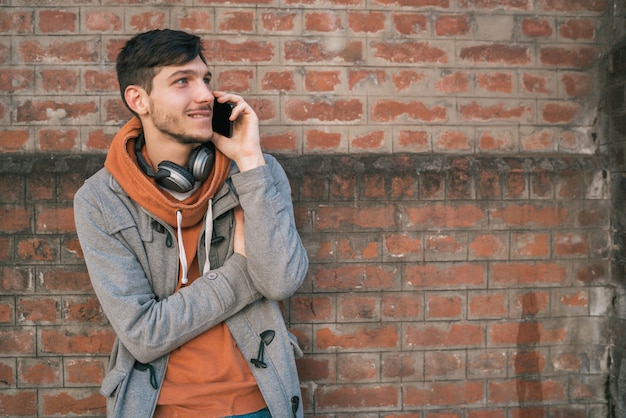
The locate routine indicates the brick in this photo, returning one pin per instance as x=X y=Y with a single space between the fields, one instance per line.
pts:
x=58 y=140
x=506 y=391
x=145 y=21
x=357 y=367
x=18 y=403
x=444 y=275
x=451 y=83
x=100 y=81
x=59 y=50
x=533 y=27
x=55 y=219
x=37 y=250
x=528 y=215
x=319 y=140
x=312 y=308
x=322 y=22
x=236 y=21
x=38 y=310
x=534 y=83
x=65 y=280
x=316 y=368
x=405 y=79
x=512 y=333
x=84 y=371
x=530 y=245
x=452 y=141
x=491 y=305
x=71 y=340
x=576 y=57
x=392 y=110
x=369 y=142
x=17 y=341
x=409 y=52
x=358 y=308
x=495 y=4
x=399 y=365
x=82 y=309
x=448 y=364
x=475 y=111
x=16 y=80
x=457 y=334
x=69 y=402
x=8 y=373
x=577 y=29
x=514 y=55
x=490 y=364
x=369 y=277
x=13 y=140
x=370 y=22
x=318 y=81
x=574 y=5
x=35 y=111
x=440 y=307
x=350 y=397
x=40 y=372
x=444 y=394
x=103 y=21
x=452 y=25
x=16 y=280
x=16 y=21
x=13 y=220
x=404 y=306
x=55 y=21
x=316 y=51
x=340 y=110
x=378 y=217
x=361 y=337
x=531 y=273
x=60 y=81
x=7 y=311
x=219 y=50
x=278 y=21
x=278 y=80
x=445 y=216
x=530 y=304
x=495 y=82
x=528 y=362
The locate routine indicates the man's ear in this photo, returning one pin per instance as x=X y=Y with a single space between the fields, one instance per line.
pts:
x=137 y=99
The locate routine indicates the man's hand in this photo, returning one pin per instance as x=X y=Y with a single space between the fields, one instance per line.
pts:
x=244 y=148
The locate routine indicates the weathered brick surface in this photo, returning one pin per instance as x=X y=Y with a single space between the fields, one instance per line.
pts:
x=458 y=176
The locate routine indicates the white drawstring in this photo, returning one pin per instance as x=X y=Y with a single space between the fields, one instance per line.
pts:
x=208 y=236
x=181 y=248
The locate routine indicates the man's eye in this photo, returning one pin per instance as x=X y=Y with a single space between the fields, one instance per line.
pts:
x=207 y=80
x=181 y=81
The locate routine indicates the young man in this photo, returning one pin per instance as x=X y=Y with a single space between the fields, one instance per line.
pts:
x=190 y=242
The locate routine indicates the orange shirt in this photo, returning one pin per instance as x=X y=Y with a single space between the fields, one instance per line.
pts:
x=207 y=376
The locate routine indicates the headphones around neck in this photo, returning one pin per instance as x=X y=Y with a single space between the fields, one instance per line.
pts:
x=175 y=177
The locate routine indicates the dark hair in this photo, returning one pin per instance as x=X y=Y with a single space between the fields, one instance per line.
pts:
x=142 y=56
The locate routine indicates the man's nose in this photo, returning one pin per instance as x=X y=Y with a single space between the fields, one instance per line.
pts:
x=204 y=93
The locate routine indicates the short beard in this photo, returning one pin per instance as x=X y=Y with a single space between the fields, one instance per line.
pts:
x=165 y=124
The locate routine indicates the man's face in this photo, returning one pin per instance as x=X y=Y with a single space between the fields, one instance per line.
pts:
x=181 y=102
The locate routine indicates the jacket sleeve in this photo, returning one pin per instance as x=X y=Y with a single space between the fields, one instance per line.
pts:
x=148 y=327
x=277 y=260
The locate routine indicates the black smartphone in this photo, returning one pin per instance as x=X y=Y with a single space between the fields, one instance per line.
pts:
x=221 y=124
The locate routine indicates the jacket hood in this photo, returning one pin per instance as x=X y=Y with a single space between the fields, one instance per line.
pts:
x=121 y=162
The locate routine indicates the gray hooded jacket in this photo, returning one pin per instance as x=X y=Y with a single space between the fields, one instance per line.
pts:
x=132 y=259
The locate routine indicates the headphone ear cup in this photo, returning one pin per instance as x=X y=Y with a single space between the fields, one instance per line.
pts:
x=201 y=162
x=174 y=177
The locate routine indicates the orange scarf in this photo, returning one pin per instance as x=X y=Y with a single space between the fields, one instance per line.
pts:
x=122 y=164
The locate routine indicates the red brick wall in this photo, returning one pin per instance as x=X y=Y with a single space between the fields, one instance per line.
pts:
x=449 y=179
